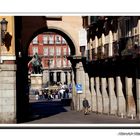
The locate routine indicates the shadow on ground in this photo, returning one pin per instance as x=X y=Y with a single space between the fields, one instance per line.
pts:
x=43 y=109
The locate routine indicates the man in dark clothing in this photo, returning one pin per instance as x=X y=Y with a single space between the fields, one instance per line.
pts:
x=85 y=106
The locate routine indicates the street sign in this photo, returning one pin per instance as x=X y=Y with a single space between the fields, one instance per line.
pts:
x=79 y=88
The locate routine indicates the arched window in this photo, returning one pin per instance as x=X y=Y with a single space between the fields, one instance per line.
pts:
x=35 y=40
x=51 y=39
x=58 y=39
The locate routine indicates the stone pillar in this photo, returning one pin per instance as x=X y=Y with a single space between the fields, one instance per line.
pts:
x=78 y=96
x=8 y=69
x=87 y=91
x=138 y=78
x=54 y=75
x=8 y=93
x=105 y=96
x=96 y=44
x=74 y=96
x=138 y=32
x=99 y=96
x=69 y=77
x=131 y=107
x=49 y=75
x=103 y=42
x=121 y=102
x=62 y=77
x=94 y=96
x=110 y=44
x=112 y=97
x=138 y=97
x=45 y=77
x=81 y=80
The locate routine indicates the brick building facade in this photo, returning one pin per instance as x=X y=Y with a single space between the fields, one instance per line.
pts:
x=53 y=51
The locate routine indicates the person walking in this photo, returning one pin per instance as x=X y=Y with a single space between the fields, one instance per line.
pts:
x=85 y=106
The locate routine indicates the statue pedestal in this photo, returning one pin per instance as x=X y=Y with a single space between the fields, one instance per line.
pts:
x=36 y=81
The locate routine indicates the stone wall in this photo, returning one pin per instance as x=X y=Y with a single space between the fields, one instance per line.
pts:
x=7 y=93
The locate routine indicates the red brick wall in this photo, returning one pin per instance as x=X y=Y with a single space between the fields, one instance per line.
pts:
x=40 y=47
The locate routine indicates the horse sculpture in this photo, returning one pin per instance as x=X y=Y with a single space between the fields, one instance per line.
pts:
x=35 y=63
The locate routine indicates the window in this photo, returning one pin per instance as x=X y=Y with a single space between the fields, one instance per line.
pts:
x=35 y=40
x=45 y=63
x=58 y=51
x=127 y=28
x=45 y=39
x=35 y=50
x=68 y=51
x=57 y=39
x=64 y=51
x=51 y=51
x=85 y=21
x=58 y=63
x=93 y=19
x=64 y=62
x=63 y=41
x=69 y=63
x=51 y=40
x=45 y=51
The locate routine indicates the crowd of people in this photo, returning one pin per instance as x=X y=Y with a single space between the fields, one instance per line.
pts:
x=61 y=92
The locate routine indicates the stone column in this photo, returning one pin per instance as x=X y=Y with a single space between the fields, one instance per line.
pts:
x=138 y=32
x=105 y=96
x=112 y=97
x=96 y=44
x=110 y=44
x=45 y=78
x=62 y=77
x=69 y=77
x=93 y=95
x=131 y=107
x=99 y=96
x=103 y=42
x=138 y=78
x=8 y=71
x=121 y=102
x=138 y=97
x=8 y=93
x=54 y=75
x=74 y=96
x=87 y=91
x=81 y=80
x=78 y=96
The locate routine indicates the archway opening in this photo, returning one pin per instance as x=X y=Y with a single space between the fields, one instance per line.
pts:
x=50 y=86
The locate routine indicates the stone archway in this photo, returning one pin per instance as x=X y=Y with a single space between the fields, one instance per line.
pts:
x=25 y=32
x=23 y=29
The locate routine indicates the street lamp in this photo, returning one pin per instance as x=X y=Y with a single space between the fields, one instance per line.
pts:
x=3 y=30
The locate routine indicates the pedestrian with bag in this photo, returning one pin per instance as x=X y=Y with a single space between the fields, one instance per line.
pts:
x=85 y=106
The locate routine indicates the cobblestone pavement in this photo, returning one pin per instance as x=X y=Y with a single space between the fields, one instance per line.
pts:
x=52 y=112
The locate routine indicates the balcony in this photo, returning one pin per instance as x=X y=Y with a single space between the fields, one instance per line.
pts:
x=129 y=47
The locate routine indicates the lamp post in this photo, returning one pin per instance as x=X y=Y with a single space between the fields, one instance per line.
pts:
x=3 y=30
